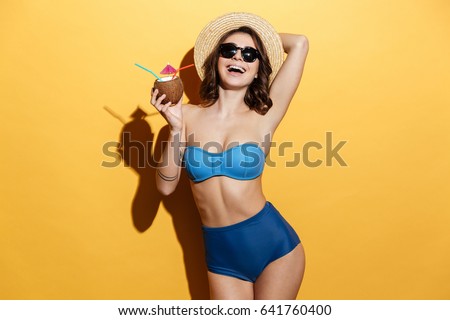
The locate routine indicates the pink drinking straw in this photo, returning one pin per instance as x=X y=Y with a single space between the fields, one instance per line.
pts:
x=182 y=68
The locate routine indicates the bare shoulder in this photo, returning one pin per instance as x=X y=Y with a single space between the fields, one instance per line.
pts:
x=190 y=107
x=190 y=110
x=191 y=115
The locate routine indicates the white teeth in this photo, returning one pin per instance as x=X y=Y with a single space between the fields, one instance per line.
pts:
x=236 y=68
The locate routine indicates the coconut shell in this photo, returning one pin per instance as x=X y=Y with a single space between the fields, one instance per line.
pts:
x=173 y=89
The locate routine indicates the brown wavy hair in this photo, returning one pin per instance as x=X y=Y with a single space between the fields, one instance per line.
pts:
x=257 y=95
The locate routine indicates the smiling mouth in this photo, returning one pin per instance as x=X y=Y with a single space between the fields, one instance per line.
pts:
x=237 y=69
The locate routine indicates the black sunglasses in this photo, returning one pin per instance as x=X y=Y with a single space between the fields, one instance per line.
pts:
x=229 y=50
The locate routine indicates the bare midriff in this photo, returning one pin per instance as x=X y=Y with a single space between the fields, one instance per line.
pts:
x=223 y=201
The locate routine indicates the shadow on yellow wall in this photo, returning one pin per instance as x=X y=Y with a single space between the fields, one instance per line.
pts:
x=140 y=152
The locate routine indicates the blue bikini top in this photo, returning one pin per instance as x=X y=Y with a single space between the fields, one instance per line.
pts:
x=241 y=162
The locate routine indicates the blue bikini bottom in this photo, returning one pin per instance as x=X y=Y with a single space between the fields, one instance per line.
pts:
x=244 y=249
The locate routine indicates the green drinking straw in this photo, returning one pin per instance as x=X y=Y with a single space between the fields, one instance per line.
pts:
x=148 y=70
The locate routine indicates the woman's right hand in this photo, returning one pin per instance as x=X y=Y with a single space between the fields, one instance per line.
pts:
x=173 y=115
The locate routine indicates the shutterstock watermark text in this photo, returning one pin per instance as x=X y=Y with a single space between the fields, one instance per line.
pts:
x=287 y=154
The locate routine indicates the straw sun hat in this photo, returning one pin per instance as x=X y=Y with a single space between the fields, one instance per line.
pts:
x=211 y=34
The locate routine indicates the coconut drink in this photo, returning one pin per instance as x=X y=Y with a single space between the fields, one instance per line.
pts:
x=172 y=87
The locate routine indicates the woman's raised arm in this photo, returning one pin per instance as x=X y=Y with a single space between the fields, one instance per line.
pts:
x=288 y=78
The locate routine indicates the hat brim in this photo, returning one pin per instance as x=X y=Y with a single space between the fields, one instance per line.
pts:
x=213 y=31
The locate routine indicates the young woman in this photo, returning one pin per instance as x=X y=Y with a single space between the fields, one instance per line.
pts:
x=251 y=251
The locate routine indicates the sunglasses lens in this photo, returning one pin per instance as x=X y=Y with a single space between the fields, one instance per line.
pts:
x=228 y=50
x=249 y=54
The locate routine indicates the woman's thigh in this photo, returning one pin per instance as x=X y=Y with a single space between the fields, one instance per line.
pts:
x=228 y=288
x=282 y=278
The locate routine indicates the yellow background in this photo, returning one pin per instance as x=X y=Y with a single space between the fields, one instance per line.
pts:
x=377 y=76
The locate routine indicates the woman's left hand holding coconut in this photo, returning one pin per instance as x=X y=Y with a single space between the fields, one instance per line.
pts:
x=172 y=113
